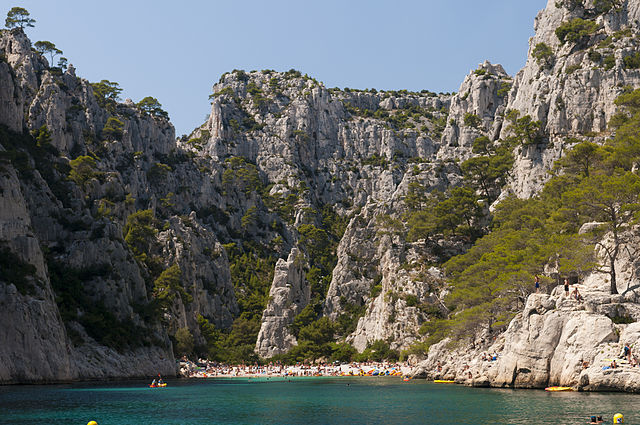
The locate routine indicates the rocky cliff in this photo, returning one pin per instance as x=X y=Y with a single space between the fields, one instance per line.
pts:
x=570 y=85
x=291 y=202
x=76 y=300
x=580 y=60
x=556 y=340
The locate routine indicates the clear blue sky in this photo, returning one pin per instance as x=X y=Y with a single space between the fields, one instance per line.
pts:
x=176 y=50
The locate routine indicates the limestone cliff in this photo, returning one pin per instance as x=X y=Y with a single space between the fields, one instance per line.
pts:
x=556 y=340
x=68 y=275
x=571 y=86
x=290 y=195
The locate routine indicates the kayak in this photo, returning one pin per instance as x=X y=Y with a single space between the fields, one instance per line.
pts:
x=559 y=389
x=443 y=381
x=158 y=385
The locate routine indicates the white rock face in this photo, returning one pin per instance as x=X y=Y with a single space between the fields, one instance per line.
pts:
x=571 y=94
x=289 y=294
x=483 y=94
x=553 y=341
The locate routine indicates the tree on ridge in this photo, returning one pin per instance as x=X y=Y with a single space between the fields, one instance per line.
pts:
x=18 y=17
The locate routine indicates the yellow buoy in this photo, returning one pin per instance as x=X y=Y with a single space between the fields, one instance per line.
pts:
x=92 y=423
x=618 y=418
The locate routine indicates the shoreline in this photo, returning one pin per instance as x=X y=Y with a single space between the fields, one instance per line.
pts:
x=205 y=369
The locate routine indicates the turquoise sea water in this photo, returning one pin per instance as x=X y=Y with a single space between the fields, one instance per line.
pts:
x=305 y=401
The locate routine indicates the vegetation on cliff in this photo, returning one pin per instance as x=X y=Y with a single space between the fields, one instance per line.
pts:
x=592 y=184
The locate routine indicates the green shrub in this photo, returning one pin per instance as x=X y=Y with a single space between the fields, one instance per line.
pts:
x=377 y=351
x=375 y=290
x=83 y=169
x=293 y=73
x=472 y=120
x=150 y=105
x=158 y=172
x=609 y=62
x=543 y=54
x=343 y=352
x=504 y=89
x=113 y=129
x=622 y=320
x=376 y=161
x=241 y=174
x=595 y=56
x=604 y=6
x=107 y=93
x=572 y=68
x=575 y=29
x=250 y=218
x=411 y=300
x=348 y=321
x=168 y=286
x=240 y=74
x=633 y=61
x=184 y=342
x=139 y=233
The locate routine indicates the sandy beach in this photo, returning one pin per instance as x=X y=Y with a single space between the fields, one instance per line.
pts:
x=205 y=369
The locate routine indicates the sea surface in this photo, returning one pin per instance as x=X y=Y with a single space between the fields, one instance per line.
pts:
x=305 y=401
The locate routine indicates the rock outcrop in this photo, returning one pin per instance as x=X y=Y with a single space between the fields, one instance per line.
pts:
x=78 y=302
x=571 y=86
x=289 y=294
x=555 y=340
x=107 y=218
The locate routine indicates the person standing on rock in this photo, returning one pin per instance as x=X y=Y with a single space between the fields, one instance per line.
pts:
x=566 y=288
x=537 y=282
x=627 y=352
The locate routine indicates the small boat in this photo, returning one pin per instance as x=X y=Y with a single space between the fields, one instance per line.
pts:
x=164 y=384
x=406 y=378
x=559 y=389
x=443 y=381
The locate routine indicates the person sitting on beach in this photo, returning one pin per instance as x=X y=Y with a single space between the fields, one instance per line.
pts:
x=614 y=364
x=593 y=420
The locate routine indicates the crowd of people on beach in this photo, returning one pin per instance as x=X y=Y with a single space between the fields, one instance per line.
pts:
x=206 y=369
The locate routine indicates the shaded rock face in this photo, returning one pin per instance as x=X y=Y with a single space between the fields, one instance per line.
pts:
x=289 y=294
x=74 y=232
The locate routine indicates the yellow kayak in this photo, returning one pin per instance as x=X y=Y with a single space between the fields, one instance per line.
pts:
x=164 y=384
x=442 y=381
x=559 y=389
